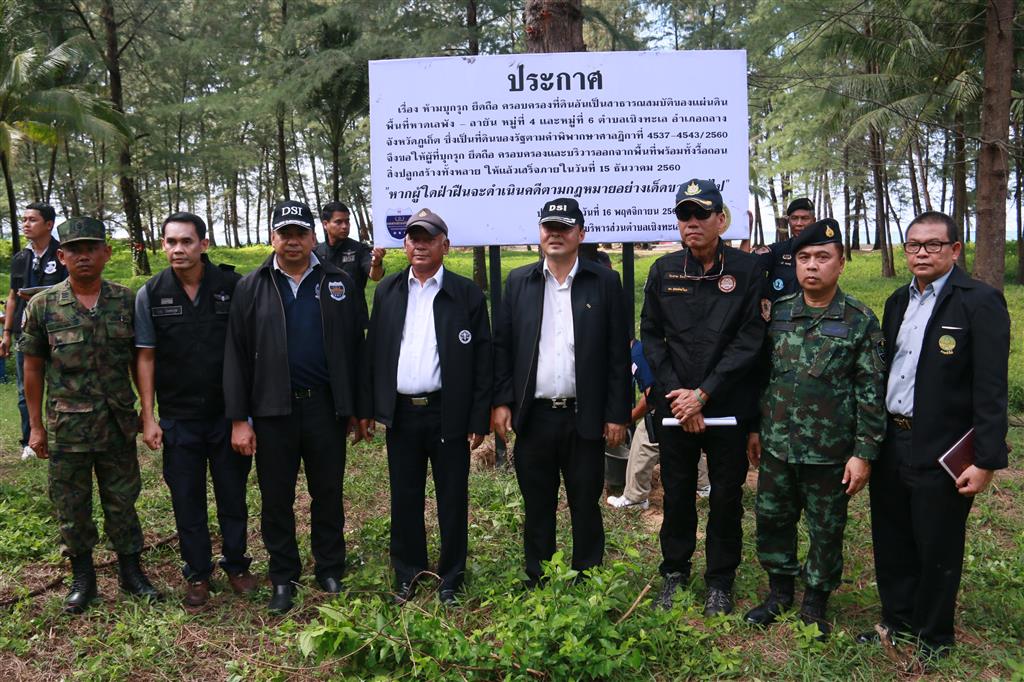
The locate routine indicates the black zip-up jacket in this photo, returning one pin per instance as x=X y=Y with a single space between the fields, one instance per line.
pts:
x=463 y=346
x=603 y=392
x=705 y=333
x=257 y=382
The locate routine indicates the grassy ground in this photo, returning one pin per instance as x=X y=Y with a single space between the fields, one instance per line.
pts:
x=603 y=628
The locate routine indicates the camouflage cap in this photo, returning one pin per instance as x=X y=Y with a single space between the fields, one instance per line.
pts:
x=81 y=229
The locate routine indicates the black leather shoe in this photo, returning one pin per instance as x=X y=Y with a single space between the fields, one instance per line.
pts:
x=282 y=600
x=872 y=636
x=404 y=592
x=673 y=581
x=717 y=603
x=448 y=598
x=83 y=584
x=330 y=584
x=780 y=598
x=133 y=580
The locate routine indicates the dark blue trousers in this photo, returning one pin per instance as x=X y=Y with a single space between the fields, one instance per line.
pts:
x=190 y=446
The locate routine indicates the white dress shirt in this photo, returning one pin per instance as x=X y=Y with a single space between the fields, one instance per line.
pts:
x=419 y=365
x=556 y=353
x=899 y=394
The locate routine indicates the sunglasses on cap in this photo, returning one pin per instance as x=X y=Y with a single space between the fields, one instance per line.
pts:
x=687 y=211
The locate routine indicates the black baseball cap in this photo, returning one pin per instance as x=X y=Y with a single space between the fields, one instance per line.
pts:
x=427 y=220
x=704 y=193
x=562 y=210
x=825 y=231
x=291 y=213
x=801 y=204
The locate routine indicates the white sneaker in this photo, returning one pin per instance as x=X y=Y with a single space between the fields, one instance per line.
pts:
x=28 y=453
x=704 y=492
x=623 y=501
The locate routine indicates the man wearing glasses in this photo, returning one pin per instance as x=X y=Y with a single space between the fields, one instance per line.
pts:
x=702 y=332
x=948 y=338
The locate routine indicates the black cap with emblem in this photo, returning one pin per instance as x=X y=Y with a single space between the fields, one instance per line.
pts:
x=562 y=211
x=825 y=231
x=704 y=193
x=292 y=213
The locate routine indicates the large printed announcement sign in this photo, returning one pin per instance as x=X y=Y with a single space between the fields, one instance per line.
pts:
x=485 y=141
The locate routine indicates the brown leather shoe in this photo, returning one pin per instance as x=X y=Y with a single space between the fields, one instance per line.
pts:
x=243 y=583
x=198 y=593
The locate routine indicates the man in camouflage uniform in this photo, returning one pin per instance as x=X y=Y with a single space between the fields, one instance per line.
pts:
x=822 y=423
x=78 y=337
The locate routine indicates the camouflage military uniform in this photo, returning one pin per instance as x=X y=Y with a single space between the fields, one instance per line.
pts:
x=823 y=404
x=90 y=411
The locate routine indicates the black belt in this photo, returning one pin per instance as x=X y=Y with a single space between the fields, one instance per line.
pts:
x=307 y=393
x=902 y=422
x=420 y=400
x=556 y=403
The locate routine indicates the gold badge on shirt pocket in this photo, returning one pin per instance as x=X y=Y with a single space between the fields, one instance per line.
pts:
x=946 y=344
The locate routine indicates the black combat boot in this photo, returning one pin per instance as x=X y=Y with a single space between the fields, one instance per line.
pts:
x=780 y=598
x=133 y=580
x=812 y=611
x=83 y=584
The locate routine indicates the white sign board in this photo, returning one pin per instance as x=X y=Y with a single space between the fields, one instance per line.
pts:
x=485 y=141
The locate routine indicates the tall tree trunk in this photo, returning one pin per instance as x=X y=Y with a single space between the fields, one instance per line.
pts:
x=72 y=184
x=993 y=166
x=282 y=157
x=12 y=203
x=312 y=165
x=914 y=193
x=209 y=205
x=881 y=237
x=960 y=182
x=129 y=193
x=1019 y=168
x=554 y=26
x=848 y=227
x=479 y=252
x=922 y=166
x=298 y=165
x=945 y=169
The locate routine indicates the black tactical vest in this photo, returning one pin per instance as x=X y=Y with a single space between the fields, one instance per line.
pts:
x=190 y=341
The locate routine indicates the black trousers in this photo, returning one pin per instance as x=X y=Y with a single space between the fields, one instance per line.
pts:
x=727 y=470
x=918 y=528
x=190 y=446
x=413 y=441
x=313 y=435
x=548 y=444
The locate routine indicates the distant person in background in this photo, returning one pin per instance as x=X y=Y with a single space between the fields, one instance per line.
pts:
x=947 y=338
x=777 y=258
x=37 y=265
x=358 y=260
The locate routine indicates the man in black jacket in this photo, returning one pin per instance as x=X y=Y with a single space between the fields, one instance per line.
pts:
x=702 y=331
x=430 y=368
x=562 y=381
x=181 y=321
x=948 y=342
x=294 y=347
x=360 y=261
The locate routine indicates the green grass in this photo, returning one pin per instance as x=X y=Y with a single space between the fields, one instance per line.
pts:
x=561 y=631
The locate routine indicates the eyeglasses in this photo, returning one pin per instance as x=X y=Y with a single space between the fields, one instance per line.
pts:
x=933 y=246
x=713 y=275
x=684 y=213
